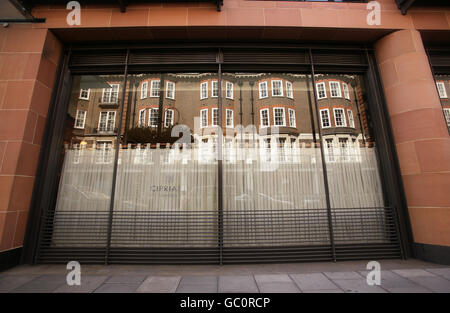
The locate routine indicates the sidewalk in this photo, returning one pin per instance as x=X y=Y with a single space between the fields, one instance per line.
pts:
x=396 y=276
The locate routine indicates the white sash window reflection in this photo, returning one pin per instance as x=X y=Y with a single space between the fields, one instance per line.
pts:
x=339 y=118
x=111 y=95
x=154 y=88
x=153 y=117
x=107 y=121
x=104 y=153
x=168 y=119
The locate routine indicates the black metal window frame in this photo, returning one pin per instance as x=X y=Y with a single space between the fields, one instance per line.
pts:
x=307 y=58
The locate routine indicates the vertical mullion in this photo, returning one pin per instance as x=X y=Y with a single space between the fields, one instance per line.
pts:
x=219 y=160
x=374 y=84
x=324 y=165
x=161 y=104
x=116 y=160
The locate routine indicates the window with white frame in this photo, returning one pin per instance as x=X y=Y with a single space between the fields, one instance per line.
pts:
x=447 y=116
x=80 y=119
x=264 y=118
x=215 y=117
x=203 y=118
x=107 y=121
x=111 y=95
x=142 y=118
x=279 y=118
x=168 y=118
x=289 y=90
x=339 y=118
x=351 y=120
x=346 y=91
x=154 y=88
x=214 y=88
x=144 y=90
x=343 y=144
x=325 y=118
x=204 y=90
x=321 y=91
x=230 y=118
x=153 y=117
x=335 y=90
x=104 y=152
x=229 y=90
x=84 y=93
x=292 y=121
x=441 y=89
x=263 y=90
x=277 y=88
x=330 y=150
x=170 y=90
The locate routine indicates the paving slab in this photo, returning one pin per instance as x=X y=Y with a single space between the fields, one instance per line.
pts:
x=313 y=282
x=343 y=275
x=444 y=272
x=278 y=287
x=11 y=282
x=271 y=278
x=198 y=284
x=435 y=284
x=197 y=288
x=408 y=273
x=417 y=289
x=160 y=284
x=89 y=283
x=199 y=280
x=117 y=288
x=325 y=291
x=126 y=279
x=44 y=283
x=237 y=284
x=357 y=286
x=396 y=283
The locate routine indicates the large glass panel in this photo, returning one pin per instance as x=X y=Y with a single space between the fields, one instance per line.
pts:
x=273 y=183
x=166 y=191
x=355 y=189
x=83 y=200
x=443 y=88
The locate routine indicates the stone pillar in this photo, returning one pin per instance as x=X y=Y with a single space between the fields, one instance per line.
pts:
x=421 y=138
x=28 y=64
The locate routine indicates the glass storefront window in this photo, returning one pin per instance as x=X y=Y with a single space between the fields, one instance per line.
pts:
x=84 y=193
x=169 y=165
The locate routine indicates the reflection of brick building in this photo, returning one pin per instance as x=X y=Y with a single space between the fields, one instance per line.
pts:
x=443 y=88
x=263 y=100
x=96 y=113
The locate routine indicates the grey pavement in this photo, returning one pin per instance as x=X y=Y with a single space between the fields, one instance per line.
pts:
x=397 y=276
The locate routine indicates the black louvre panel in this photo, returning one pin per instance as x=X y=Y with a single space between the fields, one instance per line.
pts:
x=440 y=60
x=179 y=56
x=91 y=62
x=277 y=56
x=339 y=61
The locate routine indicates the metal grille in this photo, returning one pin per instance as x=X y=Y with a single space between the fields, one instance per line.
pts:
x=172 y=57
x=193 y=236
x=265 y=57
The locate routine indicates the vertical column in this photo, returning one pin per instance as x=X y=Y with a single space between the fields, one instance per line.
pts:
x=421 y=138
x=28 y=65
